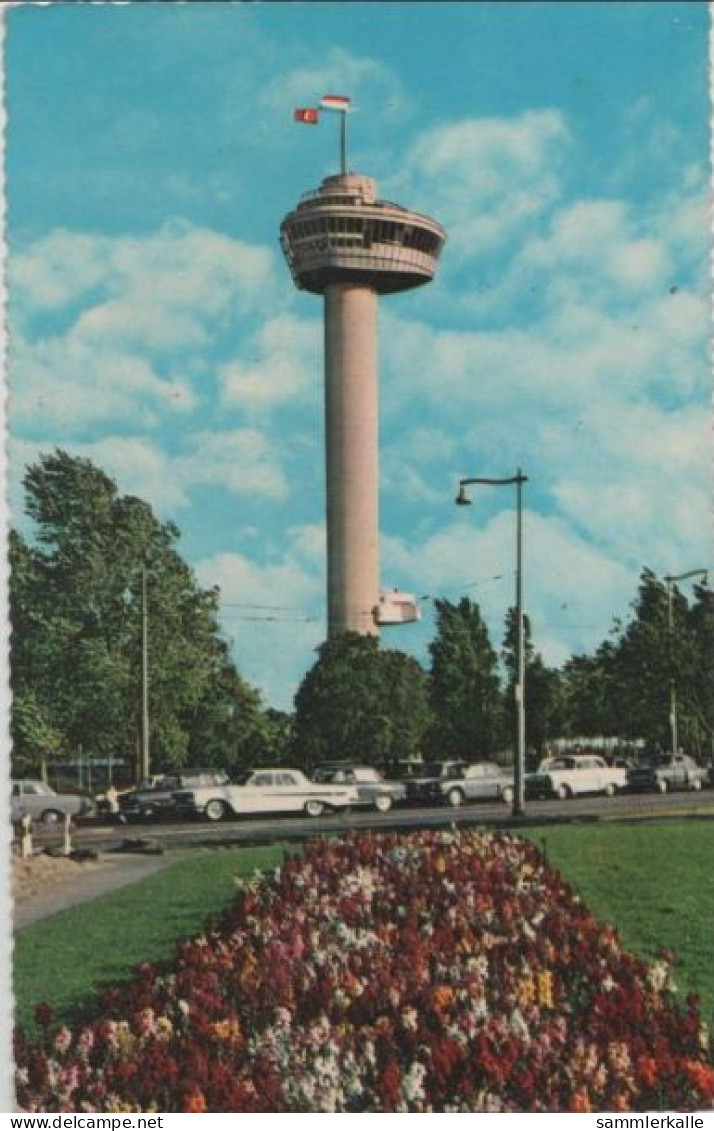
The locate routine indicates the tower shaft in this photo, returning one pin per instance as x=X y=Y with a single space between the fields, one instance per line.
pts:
x=352 y=461
x=343 y=242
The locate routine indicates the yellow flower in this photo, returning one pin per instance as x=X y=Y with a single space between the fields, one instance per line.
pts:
x=527 y=990
x=545 y=989
x=228 y=1030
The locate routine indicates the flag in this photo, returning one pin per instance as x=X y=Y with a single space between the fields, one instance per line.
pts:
x=309 y=115
x=335 y=102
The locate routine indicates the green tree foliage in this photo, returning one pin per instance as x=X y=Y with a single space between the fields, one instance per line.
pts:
x=624 y=689
x=544 y=699
x=227 y=727
x=464 y=686
x=587 y=693
x=699 y=699
x=76 y=608
x=360 y=702
x=660 y=646
x=35 y=723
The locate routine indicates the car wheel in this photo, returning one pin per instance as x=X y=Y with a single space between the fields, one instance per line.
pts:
x=563 y=793
x=455 y=798
x=695 y=784
x=51 y=817
x=610 y=789
x=215 y=810
x=662 y=785
x=507 y=795
x=314 y=808
x=383 y=803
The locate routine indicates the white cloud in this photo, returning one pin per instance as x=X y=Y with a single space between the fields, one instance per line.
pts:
x=139 y=319
x=62 y=384
x=572 y=589
x=242 y=462
x=372 y=86
x=180 y=268
x=272 y=611
x=484 y=179
x=286 y=360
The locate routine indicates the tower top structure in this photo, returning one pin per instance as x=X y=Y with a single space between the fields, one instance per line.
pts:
x=343 y=242
x=343 y=233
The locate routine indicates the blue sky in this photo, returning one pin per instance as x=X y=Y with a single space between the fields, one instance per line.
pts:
x=154 y=328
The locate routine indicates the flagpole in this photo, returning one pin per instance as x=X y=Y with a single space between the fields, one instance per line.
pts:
x=343 y=142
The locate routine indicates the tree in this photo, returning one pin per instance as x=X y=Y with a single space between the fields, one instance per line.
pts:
x=587 y=693
x=35 y=721
x=76 y=604
x=227 y=726
x=544 y=713
x=360 y=702
x=700 y=697
x=464 y=684
x=653 y=651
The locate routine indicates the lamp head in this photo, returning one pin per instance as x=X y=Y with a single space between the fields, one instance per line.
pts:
x=462 y=499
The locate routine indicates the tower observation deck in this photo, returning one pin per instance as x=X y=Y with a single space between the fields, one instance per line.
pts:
x=343 y=234
x=342 y=242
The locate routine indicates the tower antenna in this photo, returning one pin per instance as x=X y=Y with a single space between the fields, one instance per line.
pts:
x=342 y=104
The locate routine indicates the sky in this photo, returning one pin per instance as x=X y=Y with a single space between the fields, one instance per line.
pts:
x=151 y=154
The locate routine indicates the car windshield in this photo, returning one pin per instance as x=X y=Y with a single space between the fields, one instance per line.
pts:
x=325 y=774
x=244 y=777
x=431 y=770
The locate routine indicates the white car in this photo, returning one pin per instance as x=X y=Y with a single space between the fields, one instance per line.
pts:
x=569 y=775
x=372 y=789
x=36 y=800
x=277 y=790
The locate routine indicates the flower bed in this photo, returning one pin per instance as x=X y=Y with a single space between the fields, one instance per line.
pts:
x=431 y=971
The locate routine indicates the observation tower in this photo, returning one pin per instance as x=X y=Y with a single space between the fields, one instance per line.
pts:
x=343 y=242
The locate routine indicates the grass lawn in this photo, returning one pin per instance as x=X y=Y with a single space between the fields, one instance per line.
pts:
x=653 y=880
x=64 y=959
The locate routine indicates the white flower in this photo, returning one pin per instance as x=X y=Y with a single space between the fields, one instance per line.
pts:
x=518 y=1025
x=410 y=1019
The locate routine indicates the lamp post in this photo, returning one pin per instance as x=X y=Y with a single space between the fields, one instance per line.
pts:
x=670 y=580
x=145 y=763
x=463 y=500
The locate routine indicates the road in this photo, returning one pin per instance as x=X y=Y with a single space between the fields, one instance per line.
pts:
x=106 y=837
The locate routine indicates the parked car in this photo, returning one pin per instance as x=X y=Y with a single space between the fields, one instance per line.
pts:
x=264 y=791
x=372 y=788
x=572 y=774
x=663 y=772
x=421 y=788
x=156 y=798
x=482 y=781
x=43 y=804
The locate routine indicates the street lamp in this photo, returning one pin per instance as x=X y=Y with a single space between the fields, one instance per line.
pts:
x=462 y=500
x=145 y=765
x=670 y=579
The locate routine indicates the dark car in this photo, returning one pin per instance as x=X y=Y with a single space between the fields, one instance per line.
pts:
x=423 y=788
x=665 y=772
x=157 y=800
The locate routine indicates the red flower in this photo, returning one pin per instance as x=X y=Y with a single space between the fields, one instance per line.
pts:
x=194 y=1101
x=390 y=1084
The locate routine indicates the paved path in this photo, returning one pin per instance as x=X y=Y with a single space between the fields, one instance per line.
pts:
x=115 y=871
